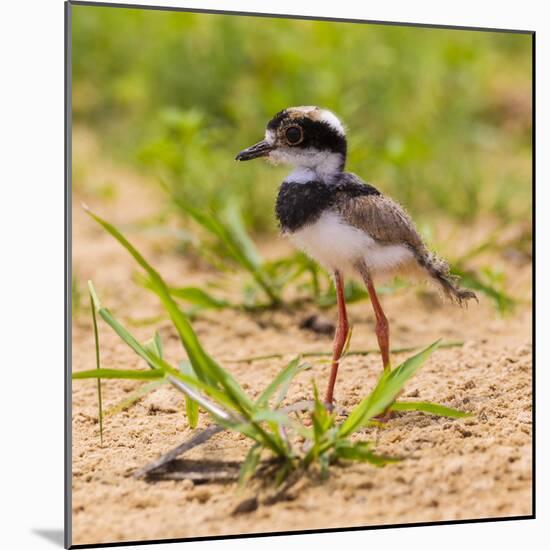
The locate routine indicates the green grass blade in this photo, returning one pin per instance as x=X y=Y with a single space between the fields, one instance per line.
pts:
x=215 y=227
x=284 y=378
x=154 y=346
x=362 y=453
x=157 y=341
x=212 y=373
x=236 y=243
x=386 y=390
x=219 y=395
x=98 y=366
x=431 y=408
x=323 y=433
x=238 y=235
x=153 y=374
x=160 y=364
x=191 y=407
x=119 y=374
x=198 y=297
x=286 y=383
x=162 y=368
x=258 y=434
x=204 y=219
x=282 y=472
x=266 y=415
x=322 y=420
x=250 y=464
x=247 y=251
x=187 y=335
x=147 y=356
x=158 y=344
x=503 y=301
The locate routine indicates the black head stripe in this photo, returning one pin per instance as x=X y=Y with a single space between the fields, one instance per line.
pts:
x=276 y=121
x=322 y=136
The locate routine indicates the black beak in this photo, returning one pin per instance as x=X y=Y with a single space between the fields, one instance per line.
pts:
x=260 y=149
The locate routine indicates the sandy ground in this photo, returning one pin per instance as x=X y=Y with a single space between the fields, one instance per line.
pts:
x=453 y=469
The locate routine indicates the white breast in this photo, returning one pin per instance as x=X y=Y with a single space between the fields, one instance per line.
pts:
x=337 y=245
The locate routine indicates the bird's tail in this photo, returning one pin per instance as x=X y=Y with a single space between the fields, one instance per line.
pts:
x=439 y=271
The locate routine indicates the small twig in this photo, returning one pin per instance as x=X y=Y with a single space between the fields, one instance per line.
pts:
x=329 y=353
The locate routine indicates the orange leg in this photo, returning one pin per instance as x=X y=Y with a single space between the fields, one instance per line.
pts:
x=340 y=335
x=382 y=326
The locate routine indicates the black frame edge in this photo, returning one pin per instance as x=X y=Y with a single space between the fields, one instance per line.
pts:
x=303 y=532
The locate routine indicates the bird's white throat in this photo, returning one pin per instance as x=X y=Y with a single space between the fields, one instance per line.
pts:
x=310 y=165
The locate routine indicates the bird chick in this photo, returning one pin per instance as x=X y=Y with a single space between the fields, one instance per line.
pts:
x=345 y=224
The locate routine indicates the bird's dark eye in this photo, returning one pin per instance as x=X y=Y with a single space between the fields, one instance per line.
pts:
x=294 y=135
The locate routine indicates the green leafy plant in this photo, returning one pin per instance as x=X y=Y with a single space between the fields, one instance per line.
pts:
x=209 y=387
x=232 y=243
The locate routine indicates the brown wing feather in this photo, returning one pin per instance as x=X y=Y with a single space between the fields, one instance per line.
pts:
x=388 y=223
x=382 y=218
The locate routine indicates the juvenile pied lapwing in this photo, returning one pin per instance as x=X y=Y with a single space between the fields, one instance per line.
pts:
x=345 y=224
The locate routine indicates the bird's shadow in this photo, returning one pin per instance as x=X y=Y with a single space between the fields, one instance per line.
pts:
x=55 y=536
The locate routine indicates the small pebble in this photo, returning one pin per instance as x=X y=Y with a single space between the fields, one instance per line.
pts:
x=246 y=506
x=318 y=324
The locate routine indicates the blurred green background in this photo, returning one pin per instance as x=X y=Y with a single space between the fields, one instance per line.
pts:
x=439 y=119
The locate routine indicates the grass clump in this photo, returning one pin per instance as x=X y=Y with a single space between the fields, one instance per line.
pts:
x=232 y=244
x=229 y=245
x=209 y=387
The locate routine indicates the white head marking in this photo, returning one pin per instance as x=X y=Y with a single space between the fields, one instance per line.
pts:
x=270 y=136
x=322 y=115
x=333 y=121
